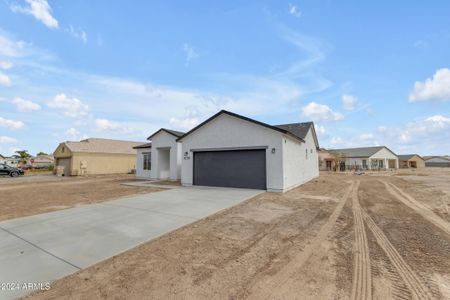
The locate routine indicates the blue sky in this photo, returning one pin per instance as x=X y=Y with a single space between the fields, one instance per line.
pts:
x=365 y=74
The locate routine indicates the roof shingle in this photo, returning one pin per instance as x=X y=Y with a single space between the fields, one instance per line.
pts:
x=96 y=145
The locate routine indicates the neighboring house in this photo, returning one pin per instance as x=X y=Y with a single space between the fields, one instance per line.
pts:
x=95 y=156
x=230 y=150
x=12 y=161
x=367 y=158
x=411 y=161
x=327 y=162
x=2 y=159
x=41 y=161
x=437 y=161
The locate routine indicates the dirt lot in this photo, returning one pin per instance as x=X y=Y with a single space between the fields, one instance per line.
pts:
x=32 y=195
x=340 y=236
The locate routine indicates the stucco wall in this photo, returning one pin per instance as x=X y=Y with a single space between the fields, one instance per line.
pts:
x=300 y=161
x=164 y=140
x=420 y=163
x=385 y=154
x=226 y=132
x=140 y=172
x=102 y=163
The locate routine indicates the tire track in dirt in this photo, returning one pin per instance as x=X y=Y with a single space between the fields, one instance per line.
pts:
x=266 y=288
x=411 y=280
x=417 y=206
x=362 y=280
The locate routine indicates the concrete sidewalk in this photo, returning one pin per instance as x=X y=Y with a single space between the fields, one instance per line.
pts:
x=46 y=247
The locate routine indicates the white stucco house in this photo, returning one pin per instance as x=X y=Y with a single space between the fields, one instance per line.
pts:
x=367 y=158
x=230 y=150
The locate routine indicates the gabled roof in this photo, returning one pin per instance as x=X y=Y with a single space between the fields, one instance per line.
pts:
x=96 y=145
x=301 y=130
x=445 y=157
x=407 y=156
x=1 y=156
x=360 y=152
x=143 y=146
x=242 y=118
x=175 y=133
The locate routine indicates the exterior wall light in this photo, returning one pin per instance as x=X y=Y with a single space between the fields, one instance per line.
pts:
x=273 y=150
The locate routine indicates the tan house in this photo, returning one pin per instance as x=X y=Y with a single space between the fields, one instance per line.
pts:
x=411 y=161
x=95 y=156
x=327 y=161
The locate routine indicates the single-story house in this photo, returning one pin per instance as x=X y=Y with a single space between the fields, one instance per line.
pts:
x=366 y=158
x=41 y=161
x=95 y=156
x=10 y=161
x=411 y=161
x=437 y=161
x=230 y=150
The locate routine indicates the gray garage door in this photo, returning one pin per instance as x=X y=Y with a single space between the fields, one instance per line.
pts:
x=237 y=168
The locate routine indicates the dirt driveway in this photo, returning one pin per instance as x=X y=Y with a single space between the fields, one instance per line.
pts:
x=340 y=236
x=39 y=194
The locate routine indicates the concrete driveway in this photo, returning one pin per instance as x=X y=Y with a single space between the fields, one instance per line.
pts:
x=42 y=248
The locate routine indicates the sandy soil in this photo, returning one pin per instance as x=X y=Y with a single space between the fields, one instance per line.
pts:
x=342 y=237
x=26 y=197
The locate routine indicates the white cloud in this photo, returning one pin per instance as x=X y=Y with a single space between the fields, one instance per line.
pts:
x=25 y=105
x=420 y=44
x=11 y=124
x=72 y=107
x=349 y=102
x=184 y=123
x=190 y=52
x=5 y=65
x=111 y=126
x=72 y=134
x=436 y=88
x=10 y=48
x=40 y=9
x=78 y=33
x=7 y=140
x=320 y=112
x=4 y=79
x=295 y=11
x=336 y=141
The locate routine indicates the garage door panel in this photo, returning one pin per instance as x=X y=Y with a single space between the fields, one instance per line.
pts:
x=239 y=168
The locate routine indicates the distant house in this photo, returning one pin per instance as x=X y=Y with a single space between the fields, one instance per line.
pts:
x=437 y=161
x=95 y=156
x=366 y=158
x=41 y=161
x=10 y=161
x=411 y=161
x=327 y=161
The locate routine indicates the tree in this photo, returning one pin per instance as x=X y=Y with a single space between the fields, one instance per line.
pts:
x=23 y=155
x=41 y=153
x=337 y=158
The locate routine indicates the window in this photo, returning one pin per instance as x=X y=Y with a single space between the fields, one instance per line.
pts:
x=364 y=163
x=147 y=161
x=381 y=164
x=306 y=152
